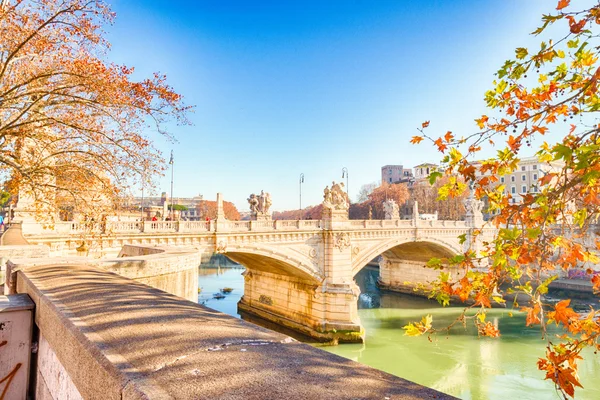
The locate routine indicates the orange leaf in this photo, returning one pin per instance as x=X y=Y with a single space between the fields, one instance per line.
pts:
x=532 y=315
x=576 y=27
x=481 y=122
x=425 y=124
x=513 y=143
x=562 y=4
x=596 y=283
x=441 y=146
x=448 y=136
x=416 y=139
x=488 y=330
x=563 y=313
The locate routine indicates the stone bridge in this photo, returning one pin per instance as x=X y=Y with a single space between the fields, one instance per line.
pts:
x=299 y=274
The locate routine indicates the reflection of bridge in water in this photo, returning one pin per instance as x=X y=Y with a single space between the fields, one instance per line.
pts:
x=299 y=273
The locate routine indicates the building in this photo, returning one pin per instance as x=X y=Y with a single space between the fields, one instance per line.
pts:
x=422 y=171
x=395 y=174
x=525 y=178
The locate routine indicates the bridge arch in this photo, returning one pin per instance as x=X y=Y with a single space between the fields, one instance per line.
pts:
x=275 y=261
x=406 y=249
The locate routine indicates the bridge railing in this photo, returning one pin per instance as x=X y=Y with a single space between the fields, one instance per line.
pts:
x=137 y=227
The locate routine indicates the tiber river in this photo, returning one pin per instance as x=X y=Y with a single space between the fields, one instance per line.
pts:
x=461 y=364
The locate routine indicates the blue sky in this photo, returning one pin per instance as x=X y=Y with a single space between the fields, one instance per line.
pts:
x=289 y=87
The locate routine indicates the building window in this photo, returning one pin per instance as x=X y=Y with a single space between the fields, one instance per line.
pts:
x=390 y=171
x=512 y=178
x=513 y=190
x=390 y=180
x=523 y=168
x=523 y=189
x=523 y=178
x=535 y=166
x=535 y=177
x=502 y=179
x=534 y=189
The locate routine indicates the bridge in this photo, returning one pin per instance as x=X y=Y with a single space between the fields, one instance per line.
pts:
x=299 y=274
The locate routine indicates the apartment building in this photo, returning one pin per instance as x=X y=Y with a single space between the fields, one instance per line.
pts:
x=395 y=174
x=525 y=179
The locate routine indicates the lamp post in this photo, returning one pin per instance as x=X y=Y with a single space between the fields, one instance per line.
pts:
x=142 y=202
x=345 y=175
x=172 y=162
x=301 y=182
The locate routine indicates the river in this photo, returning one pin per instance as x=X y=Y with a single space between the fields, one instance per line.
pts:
x=461 y=364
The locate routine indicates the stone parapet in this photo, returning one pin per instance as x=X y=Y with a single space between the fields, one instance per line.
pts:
x=174 y=270
x=103 y=336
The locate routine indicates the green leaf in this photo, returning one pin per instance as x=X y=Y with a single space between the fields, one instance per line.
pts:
x=434 y=263
x=521 y=52
x=434 y=177
x=533 y=233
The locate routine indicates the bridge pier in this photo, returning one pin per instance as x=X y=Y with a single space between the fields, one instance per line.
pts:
x=325 y=312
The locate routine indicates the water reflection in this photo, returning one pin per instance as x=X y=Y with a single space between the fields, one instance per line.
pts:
x=212 y=279
x=461 y=364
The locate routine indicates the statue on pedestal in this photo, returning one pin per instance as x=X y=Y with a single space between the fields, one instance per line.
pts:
x=391 y=209
x=335 y=198
x=260 y=205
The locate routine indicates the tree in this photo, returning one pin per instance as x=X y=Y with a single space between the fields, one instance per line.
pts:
x=536 y=93
x=365 y=190
x=71 y=122
x=288 y=215
x=394 y=191
x=449 y=208
x=208 y=209
x=177 y=207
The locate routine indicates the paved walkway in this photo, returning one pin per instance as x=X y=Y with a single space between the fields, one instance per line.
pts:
x=116 y=337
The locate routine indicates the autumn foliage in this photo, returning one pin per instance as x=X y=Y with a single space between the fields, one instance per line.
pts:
x=448 y=208
x=208 y=209
x=552 y=89
x=72 y=122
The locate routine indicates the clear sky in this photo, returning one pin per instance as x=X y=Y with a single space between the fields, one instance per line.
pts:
x=312 y=86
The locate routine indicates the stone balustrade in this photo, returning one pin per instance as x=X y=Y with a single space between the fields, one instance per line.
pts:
x=136 y=227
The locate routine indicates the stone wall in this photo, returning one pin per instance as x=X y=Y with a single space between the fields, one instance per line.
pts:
x=19 y=251
x=404 y=275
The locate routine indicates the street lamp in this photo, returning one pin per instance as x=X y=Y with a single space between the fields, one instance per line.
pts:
x=301 y=182
x=345 y=175
x=142 y=202
x=171 y=161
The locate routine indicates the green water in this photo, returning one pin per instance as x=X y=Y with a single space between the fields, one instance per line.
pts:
x=461 y=364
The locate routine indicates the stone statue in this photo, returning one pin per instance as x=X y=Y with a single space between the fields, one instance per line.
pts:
x=267 y=203
x=473 y=206
x=260 y=205
x=327 y=198
x=391 y=209
x=253 y=201
x=335 y=198
x=261 y=201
